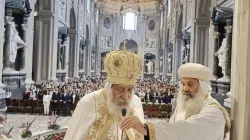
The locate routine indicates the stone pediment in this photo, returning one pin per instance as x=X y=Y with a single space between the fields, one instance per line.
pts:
x=130 y=10
x=63 y=31
x=220 y=13
x=20 y=5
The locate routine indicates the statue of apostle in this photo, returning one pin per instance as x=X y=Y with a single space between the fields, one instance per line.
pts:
x=15 y=43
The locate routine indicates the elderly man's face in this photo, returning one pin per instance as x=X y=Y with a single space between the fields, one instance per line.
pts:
x=122 y=94
x=190 y=86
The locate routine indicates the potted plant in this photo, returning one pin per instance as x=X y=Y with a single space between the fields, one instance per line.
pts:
x=52 y=124
x=26 y=132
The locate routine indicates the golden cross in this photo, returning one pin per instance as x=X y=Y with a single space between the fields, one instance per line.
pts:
x=124 y=45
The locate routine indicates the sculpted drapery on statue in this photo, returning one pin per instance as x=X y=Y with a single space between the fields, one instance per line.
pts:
x=222 y=55
x=150 y=66
x=61 y=48
x=15 y=43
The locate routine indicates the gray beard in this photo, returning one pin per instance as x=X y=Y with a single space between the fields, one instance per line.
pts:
x=114 y=108
x=190 y=106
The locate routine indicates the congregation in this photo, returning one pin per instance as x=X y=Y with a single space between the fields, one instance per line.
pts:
x=61 y=98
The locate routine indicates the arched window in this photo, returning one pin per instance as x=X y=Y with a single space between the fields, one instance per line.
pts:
x=88 y=6
x=97 y=16
x=129 y=21
x=169 y=7
x=162 y=18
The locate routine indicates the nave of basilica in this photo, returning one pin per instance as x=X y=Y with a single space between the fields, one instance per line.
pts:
x=60 y=46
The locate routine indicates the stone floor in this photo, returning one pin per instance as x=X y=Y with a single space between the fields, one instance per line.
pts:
x=40 y=124
x=20 y=120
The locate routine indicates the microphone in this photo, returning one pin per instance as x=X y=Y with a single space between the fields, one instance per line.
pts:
x=124 y=111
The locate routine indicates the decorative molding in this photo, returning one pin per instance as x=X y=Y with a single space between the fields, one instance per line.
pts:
x=22 y=5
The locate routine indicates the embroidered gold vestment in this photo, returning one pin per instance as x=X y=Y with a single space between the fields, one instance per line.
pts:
x=106 y=126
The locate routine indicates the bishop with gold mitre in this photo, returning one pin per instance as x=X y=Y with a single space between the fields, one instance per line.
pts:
x=98 y=114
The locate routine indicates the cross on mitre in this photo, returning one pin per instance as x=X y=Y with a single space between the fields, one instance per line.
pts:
x=124 y=45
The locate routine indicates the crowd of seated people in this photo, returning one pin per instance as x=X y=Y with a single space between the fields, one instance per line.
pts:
x=156 y=91
x=61 y=98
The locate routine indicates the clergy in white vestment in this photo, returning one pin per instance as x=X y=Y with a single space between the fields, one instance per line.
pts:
x=98 y=114
x=2 y=136
x=197 y=116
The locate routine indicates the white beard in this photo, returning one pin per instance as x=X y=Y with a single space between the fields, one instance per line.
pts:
x=190 y=106
x=114 y=107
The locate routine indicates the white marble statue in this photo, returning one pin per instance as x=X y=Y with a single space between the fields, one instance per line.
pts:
x=222 y=56
x=161 y=65
x=106 y=41
x=169 y=63
x=92 y=61
x=15 y=43
x=183 y=53
x=150 y=66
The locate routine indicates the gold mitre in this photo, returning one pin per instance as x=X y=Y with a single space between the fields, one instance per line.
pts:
x=122 y=67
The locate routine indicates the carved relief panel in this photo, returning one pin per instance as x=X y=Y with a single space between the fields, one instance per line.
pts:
x=106 y=41
x=81 y=25
x=62 y=10
x=151 y=43
x=189 y=10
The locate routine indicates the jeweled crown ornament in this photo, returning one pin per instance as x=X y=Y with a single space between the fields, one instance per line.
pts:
x=122 y=67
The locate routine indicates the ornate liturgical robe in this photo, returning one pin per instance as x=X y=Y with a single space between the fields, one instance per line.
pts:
x=210 y=124
x=91 y=120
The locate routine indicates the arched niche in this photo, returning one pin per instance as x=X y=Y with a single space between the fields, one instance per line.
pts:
x=131 y=45
x=149 y=64
x=103 y=55
x=87 y=32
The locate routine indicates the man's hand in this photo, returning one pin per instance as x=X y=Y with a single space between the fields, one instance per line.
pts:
x=135 y=123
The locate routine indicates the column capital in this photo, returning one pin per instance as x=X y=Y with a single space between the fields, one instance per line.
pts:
x=24 y=27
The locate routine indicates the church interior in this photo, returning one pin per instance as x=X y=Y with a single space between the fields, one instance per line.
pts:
x=47 y=45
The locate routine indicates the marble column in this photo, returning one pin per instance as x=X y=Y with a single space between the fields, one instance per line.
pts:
x=59 y=48
x=228 y=29
x=240 y=112
x=46 y=35
x=141 y=52
x=183 y=50
x=215 y=58
x=88 y=58
x=30 y=43
x=72 y=53
x=6 y=48
x=216 y=47
x=176 y=62
x=24 y=37
x=65 y=43
x=2 y=6
x=188 y=50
